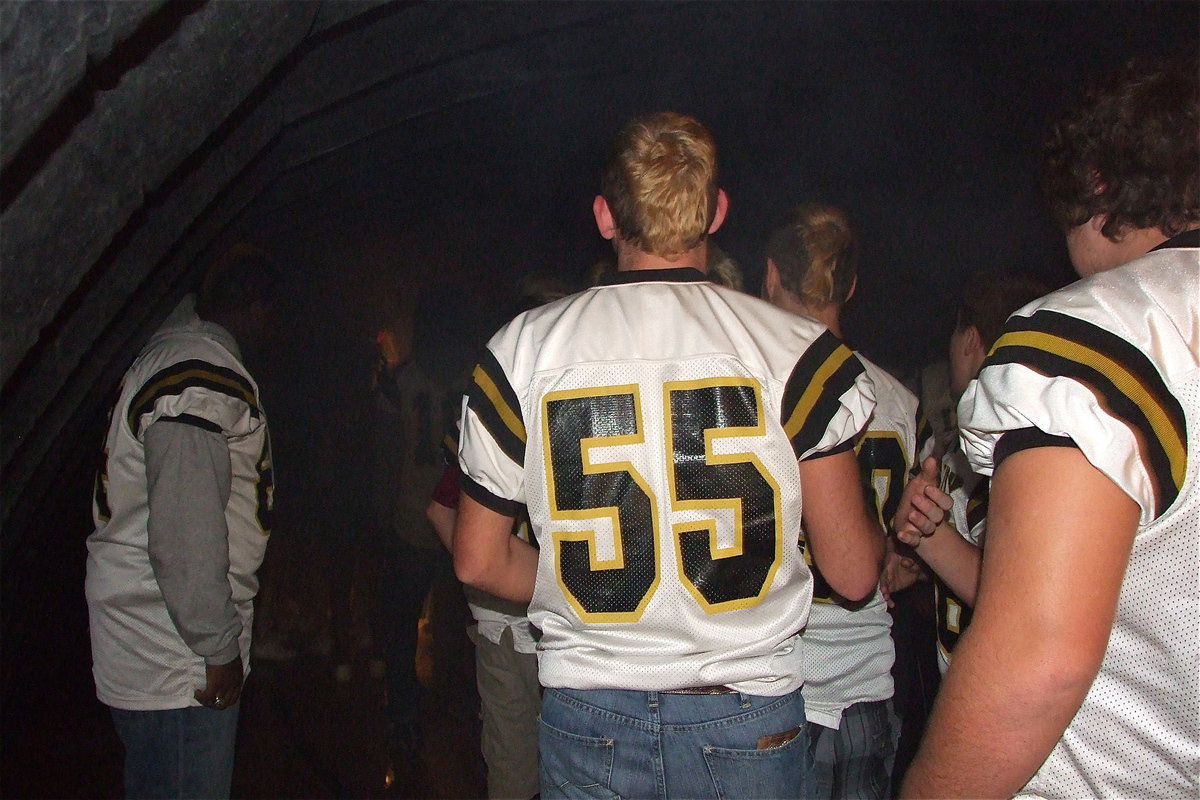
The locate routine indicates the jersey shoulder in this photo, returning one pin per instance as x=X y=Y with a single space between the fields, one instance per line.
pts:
x=1100 y=362
x=185 y=375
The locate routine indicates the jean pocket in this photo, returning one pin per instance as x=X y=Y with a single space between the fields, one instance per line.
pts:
x=575 y=767
x=776 y=772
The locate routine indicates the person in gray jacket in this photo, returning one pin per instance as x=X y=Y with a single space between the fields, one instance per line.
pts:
x=182 y=511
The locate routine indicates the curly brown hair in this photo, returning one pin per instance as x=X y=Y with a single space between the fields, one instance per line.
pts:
x=1130 y=150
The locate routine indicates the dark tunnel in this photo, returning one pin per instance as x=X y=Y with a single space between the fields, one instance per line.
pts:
x=383 y=151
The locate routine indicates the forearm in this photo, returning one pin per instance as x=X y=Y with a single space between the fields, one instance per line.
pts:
x=955 y=560
x=487 y=556
x=442 y=520
x=1059 y=535
x=1000 y=710
x=188 y=480
x=847 y=541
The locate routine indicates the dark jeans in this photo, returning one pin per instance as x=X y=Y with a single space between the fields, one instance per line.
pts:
x=407 y=575
x=183 y=752
x=855 y=761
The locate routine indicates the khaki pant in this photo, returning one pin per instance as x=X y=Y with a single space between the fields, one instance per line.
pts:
x=511 y=700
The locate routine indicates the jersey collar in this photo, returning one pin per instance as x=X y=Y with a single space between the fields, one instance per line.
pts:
x=673 y=275
x=1186 y=239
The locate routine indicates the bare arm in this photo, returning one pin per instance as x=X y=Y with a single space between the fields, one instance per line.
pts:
x=487 y=555
x=1059 y=537
x=940 y=545
x=442 y=519
x=845 y=537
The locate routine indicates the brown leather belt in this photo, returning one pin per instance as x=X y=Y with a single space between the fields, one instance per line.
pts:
x=699 y=690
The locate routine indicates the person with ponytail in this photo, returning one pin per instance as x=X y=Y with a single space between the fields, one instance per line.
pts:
x=812 y=270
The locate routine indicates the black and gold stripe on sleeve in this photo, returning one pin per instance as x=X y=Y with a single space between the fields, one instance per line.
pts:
x=495 y=403
x=1122 y=378
x=813 y=393
x=191 y=374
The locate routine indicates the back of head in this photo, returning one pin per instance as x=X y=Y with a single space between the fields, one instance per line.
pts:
x=989 y=299
x=242 y=276
x=1130 y=150
x=815 y=254
x=660 y=182
x=538 y=289
x=723 y=270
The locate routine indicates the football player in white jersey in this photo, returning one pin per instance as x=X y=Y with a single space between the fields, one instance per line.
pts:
x=659 y=427
x=1078 y=676
x=943 y=509
x=182 y=511
x=812 y=270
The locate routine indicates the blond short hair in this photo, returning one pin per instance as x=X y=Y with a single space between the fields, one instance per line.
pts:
x=660 y=183
x=815 y=254
x=723 y=269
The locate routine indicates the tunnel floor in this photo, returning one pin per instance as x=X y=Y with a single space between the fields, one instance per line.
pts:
x=302 y=732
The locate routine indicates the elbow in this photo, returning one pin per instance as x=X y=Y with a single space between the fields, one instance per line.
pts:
x=858 y=577
x=857 y=588
x=469 y=568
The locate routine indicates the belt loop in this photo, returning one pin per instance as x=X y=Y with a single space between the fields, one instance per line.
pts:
x=652 y=700
x=744 y=699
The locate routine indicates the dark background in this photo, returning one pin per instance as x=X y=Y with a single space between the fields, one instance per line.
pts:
x=382 y=150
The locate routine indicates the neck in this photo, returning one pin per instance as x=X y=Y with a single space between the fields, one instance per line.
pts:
x=1136 y=243
x=828 y=315
x=631 y=258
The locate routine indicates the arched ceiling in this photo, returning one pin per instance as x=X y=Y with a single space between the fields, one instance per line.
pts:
x=376 y=147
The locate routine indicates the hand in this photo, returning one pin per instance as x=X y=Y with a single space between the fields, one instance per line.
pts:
x=899 y=573
x=928 y=476
x=928 y=512
x=224 y=685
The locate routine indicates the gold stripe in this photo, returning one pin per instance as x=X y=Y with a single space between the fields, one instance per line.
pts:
x=515 y=424
x=1123 y=379
x=152 y=390
x=814 y=390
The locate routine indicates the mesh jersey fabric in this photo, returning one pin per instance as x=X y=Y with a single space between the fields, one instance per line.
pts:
x=653 y=427
x=1113 y=362
x=849 y=653
x=189 y=368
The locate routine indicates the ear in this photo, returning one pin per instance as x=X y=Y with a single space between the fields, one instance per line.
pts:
x=771 y=284
x=972 y=342
x=604 y=217
x=1097 y=222
x=853 y=287
x=722 y=209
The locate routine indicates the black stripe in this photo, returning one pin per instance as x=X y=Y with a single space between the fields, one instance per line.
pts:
x=977 y=503
x=193 y=420
x=508 y=508
x=841 y=448
x=806 y=367
x=1020 y=439
x=830 y=399
x=488 y=413
x=1118 y=402
x=174 y=380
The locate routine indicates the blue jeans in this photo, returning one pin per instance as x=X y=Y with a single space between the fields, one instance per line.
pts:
x=183 y=752
x=855 y=761
x=628 y=744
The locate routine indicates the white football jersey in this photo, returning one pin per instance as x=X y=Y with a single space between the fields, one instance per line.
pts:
x=969 y=492
x=849 y=653
x=1113 y=362
x=189 y=368
x=653 y=428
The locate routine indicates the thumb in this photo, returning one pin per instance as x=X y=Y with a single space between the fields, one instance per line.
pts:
x=929 y=469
